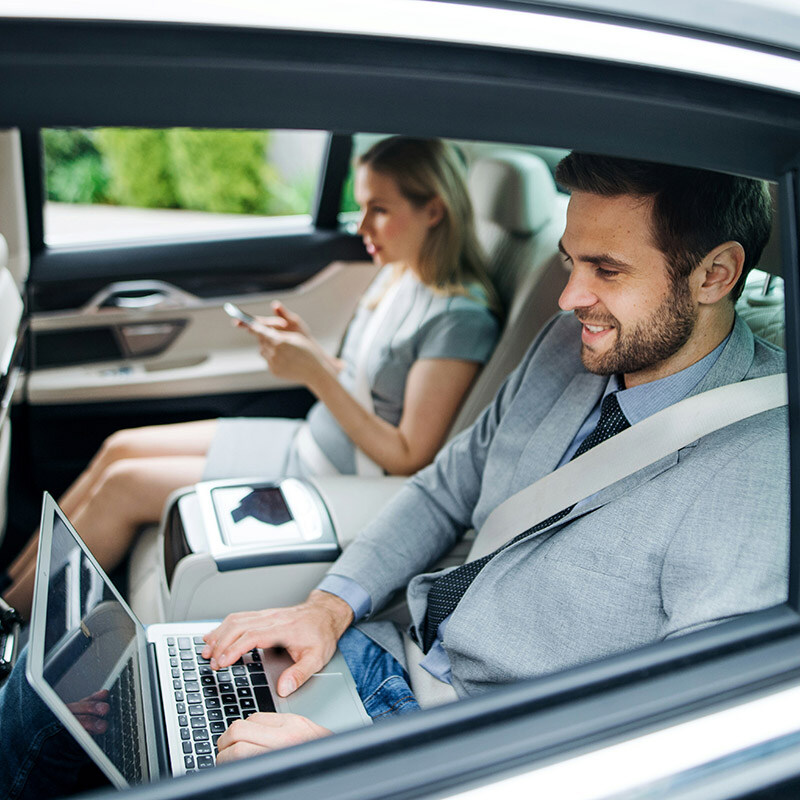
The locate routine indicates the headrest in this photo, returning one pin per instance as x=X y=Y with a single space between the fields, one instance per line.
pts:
x=515 y=190
x=770 y=260
x=3 y=252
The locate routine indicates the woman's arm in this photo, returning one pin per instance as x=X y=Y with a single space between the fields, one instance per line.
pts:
x=433 y=393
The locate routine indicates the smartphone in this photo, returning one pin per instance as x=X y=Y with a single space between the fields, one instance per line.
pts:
x=234 y=311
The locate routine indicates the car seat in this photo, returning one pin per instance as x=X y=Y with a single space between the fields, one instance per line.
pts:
x=520 y=217
x=10 y=316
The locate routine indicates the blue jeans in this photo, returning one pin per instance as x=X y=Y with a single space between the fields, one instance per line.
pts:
x=40 y=759
x=381 y=682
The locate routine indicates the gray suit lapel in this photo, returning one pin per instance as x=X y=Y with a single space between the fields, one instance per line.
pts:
x=559 y=427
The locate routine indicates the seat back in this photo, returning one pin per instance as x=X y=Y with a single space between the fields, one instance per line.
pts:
x=520 y=217
x=10 y=315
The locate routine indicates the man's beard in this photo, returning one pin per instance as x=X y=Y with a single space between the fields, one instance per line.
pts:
x=650 y=342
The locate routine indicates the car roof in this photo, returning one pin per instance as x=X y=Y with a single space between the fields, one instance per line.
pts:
x=506 y=27
x=767 y=22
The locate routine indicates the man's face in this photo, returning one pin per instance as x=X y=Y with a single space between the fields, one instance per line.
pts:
x=635 y=321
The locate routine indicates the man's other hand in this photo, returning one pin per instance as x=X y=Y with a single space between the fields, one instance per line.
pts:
x=309 y=633
x=261 y=733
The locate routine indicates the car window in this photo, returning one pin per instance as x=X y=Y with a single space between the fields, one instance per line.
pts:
x=117 y=185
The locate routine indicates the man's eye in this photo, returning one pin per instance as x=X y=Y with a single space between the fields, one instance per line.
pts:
x=606 y=273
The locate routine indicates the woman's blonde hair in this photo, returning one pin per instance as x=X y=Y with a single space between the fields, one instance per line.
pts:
x=451 y=259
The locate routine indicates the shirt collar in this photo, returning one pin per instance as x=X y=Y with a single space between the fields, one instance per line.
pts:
x=639 y=402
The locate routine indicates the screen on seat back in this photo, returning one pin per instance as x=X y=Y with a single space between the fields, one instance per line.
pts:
x=91 y=654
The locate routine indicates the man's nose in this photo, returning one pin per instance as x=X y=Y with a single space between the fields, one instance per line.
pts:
x=577 y=293
x=362 y=225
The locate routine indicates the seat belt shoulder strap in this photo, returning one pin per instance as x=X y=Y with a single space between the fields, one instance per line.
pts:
x=633 y=449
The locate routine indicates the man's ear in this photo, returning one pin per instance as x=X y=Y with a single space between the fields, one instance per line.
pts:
x=435 y=211
x=719 y=271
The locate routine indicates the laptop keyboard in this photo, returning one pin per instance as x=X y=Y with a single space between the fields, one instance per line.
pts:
x=207 y=702
x=121 y=739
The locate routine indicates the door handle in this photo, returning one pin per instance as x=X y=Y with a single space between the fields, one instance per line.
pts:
x=140 y=296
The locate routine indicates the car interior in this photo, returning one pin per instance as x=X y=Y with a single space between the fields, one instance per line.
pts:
x=135 y=342
x=120 y=331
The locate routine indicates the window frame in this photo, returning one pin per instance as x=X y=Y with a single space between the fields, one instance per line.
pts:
x=91 y=266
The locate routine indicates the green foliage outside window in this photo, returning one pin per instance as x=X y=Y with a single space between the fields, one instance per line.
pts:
x=223 y=171
x=74 y=170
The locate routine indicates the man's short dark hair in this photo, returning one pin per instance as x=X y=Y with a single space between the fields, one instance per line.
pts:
x=693 y=210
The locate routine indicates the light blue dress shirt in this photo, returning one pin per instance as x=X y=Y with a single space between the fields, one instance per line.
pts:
x=637 y=403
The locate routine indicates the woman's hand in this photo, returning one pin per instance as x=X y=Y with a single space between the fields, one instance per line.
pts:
x=285 y=320
x=291 y=352
x=291 y=355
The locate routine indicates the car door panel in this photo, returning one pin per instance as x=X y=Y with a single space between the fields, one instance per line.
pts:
x=203 y=353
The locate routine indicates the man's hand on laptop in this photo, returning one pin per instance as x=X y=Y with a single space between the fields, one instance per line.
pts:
x=308 y=631
x=261 y=733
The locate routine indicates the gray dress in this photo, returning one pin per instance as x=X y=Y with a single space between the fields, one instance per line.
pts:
x=421 y=324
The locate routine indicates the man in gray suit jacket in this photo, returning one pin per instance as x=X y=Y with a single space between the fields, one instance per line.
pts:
x=658 y=256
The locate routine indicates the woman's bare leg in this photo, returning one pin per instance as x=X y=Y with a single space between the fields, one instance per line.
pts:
x=180 y=439
x=130 y=493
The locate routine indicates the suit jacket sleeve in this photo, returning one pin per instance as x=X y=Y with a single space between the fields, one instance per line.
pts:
x=433 y=510
x=730 y=553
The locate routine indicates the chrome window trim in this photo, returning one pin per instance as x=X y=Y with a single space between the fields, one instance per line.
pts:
x=655 y=761
x=453 y=23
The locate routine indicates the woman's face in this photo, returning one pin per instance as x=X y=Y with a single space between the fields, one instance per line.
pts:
x=393 y=229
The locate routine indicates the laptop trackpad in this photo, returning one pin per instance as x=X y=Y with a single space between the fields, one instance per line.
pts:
x=325 y=699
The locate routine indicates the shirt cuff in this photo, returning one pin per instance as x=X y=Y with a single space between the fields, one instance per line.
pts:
x=355 y=595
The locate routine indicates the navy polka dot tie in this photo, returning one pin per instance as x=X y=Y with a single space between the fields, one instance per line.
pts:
x=447 y=591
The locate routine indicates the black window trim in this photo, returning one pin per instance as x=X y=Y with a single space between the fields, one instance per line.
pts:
x=333 y=171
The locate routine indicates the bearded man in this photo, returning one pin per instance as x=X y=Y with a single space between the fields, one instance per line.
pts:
x=657 y=256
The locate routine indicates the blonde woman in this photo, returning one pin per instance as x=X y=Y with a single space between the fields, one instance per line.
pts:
x=416 y=343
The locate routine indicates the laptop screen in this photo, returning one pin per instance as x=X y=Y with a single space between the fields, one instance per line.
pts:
x=91 y=653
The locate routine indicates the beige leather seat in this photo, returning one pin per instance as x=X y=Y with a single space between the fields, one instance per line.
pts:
x=520 y=217
x=10 y=315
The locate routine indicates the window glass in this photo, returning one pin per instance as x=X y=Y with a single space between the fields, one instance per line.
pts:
x=125 y=184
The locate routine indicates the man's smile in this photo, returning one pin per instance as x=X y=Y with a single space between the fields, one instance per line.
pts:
x=594 y=331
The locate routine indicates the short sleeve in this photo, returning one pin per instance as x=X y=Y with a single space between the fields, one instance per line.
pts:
x=468 y=334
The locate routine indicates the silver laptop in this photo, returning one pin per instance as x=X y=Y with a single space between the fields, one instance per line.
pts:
x=167 y=708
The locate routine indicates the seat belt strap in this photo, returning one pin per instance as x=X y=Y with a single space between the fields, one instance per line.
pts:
x=644 y=443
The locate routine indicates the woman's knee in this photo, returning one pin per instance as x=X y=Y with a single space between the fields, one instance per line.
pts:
x=119 y=479
x=125 y=443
